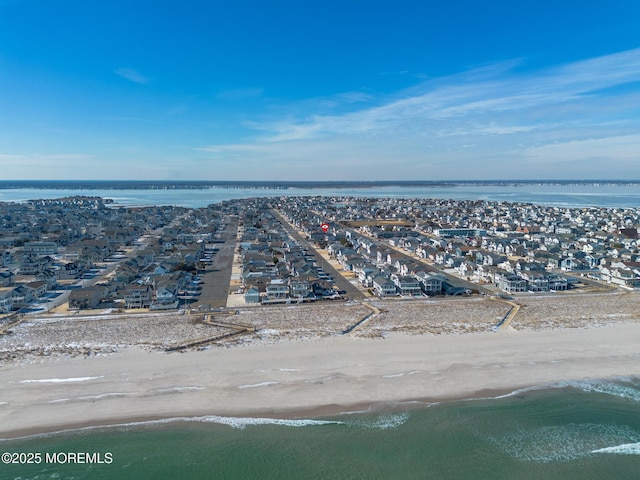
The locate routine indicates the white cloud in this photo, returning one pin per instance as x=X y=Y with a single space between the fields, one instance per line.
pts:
x=617 y=149
x=132 y=75
x=44 y=166
x=485 y=122
x=45 y=157
x=471 y=95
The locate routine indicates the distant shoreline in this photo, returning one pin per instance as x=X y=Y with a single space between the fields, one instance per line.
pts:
x=282 y=185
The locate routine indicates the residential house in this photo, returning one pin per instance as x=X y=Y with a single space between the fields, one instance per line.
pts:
x=298 y=289
x=252 y=295
x=407 y=285
x=322 y=288
x=430 y=283
x=166 y=297
x=366 y=274
x=22 y=296
x=6 y=299
x=85 y=298
x=138 y=296
x=622 y=273
x=70 y=271
x=31 y=264
x=383 y=286
x=277 y=290
x=48 y=276
x=510 y=282
x=38 y=288
x=6 y=278
x=536 y=281
x=41 y=248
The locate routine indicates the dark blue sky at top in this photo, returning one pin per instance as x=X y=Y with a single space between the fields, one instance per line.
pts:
x=211 y=84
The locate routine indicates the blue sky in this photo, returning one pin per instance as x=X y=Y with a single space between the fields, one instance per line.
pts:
x=331 y=90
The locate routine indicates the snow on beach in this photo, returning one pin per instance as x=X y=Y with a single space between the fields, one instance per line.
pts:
x=55 y=337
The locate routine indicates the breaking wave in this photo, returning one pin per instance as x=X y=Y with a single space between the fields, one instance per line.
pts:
x=625 y=449
x=624 y=388
x=565 y=443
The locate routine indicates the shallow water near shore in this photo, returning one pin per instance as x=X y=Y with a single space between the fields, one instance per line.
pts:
x=568 y=430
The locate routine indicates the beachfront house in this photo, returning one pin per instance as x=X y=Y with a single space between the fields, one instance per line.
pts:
x=252 y=295
x=383 y=286
x=299 y=289
x=277 y=290
x=430 y=283
x=7 y=278
x=85 y=298
x=510 y=282
x=166 y=297
x=407 y=285
x=138 y=296
x=6 y=299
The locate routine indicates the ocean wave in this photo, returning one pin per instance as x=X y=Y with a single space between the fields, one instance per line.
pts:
x=395 y=375
x=61 y=380
x=563 y=443
x=625 y=449
x=168 y=391
x=242 y=422
x=517 y=392
x=623 y=388
x=380 y=421
x=234 y=422
x=257 y=385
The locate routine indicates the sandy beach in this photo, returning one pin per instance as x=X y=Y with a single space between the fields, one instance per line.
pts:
x=310 y=371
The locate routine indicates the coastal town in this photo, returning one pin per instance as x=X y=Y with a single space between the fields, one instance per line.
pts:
x=343 y=257
x=264 y=305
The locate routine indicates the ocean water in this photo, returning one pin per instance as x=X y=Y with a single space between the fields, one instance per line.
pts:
x=582 y=430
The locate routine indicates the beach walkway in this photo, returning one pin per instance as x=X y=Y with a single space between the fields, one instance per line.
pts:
x=236 y=329
x=510 y=315
x=374 y=313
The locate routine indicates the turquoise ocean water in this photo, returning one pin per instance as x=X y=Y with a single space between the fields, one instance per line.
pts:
x=584 y=430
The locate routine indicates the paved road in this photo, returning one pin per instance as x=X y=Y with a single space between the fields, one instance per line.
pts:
x=218 y=276
x=340 y=282
x=450 y=279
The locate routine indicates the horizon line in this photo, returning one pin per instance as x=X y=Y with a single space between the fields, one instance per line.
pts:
x=289 y=182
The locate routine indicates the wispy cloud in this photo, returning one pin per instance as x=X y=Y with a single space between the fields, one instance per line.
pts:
x=41 y=165
x=478 y=119
x=132 y=75
x=45 y=157
x=622 y=148
x=474 y=95
x=353 y=97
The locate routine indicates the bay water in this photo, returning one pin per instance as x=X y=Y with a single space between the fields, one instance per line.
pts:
x=580 y=195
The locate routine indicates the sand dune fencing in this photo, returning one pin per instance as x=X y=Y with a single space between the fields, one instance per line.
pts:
x=11 y=321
